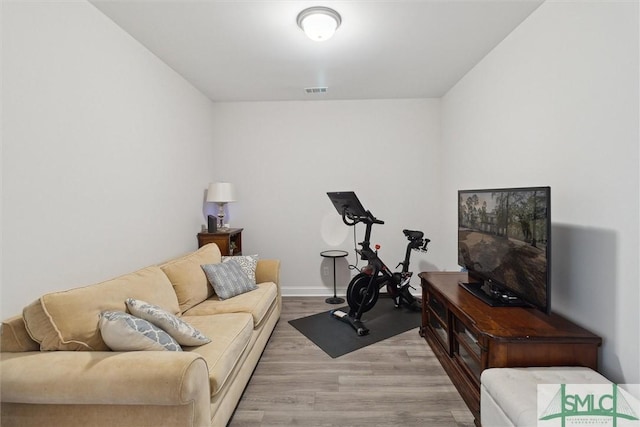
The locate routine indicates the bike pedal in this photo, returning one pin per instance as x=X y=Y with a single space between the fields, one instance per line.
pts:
x=338 y=313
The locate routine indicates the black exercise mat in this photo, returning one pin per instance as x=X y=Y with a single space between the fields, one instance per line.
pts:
x=337 y=338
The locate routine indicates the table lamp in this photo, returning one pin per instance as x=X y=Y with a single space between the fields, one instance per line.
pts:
x=221 y=193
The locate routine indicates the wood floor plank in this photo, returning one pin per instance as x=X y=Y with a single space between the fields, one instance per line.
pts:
x=395 y=382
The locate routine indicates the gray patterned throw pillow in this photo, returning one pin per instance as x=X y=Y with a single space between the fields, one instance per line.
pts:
x=180 y=330
x=228 y=279
x=124 y=332
x=248 y=263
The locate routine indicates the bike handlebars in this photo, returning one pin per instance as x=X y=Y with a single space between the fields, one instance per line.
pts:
x=368 y=219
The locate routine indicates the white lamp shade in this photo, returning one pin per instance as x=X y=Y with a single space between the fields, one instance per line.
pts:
x=221 y=192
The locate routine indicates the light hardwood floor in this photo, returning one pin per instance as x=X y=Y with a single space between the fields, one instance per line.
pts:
x=396 y=382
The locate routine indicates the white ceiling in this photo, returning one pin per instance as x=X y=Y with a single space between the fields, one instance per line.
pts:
x=253 y=50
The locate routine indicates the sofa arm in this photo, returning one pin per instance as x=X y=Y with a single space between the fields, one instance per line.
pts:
x=268 y=270
x=14 y=336
x=92 y=377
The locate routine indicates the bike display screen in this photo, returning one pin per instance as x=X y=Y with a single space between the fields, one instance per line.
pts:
x=346 y=202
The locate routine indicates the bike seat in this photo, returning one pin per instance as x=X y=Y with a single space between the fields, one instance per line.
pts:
x=413 y=234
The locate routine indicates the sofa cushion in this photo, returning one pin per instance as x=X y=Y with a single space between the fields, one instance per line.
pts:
x=257 y=303
x=68 y=320
x=188 y=280
x=124 y=332
x=230 y=335
x=228 y=279
x=179 y=330
x=248 y=263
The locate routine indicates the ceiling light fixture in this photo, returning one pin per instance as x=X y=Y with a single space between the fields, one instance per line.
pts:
x=319 y=23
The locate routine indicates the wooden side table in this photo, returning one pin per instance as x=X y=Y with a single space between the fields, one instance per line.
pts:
x=229 y=241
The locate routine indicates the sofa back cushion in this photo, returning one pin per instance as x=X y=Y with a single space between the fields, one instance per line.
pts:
x=187 y=277
x=68 y=320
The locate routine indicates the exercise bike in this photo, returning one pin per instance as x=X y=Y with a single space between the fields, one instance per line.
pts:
x=364 y=289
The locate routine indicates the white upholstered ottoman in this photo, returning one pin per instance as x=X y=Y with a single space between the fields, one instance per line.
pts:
x=509 y=396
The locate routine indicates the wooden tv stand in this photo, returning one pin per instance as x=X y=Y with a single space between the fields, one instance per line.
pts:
x=468 y=336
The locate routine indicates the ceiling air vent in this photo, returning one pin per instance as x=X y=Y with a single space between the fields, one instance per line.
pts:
x=319 y=89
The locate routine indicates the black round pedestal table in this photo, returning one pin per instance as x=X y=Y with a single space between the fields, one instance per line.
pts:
x=334 y=253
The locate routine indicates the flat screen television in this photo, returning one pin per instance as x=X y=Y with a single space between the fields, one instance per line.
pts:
x=504 y=241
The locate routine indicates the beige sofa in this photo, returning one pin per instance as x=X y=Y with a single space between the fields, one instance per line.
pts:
x=55 y=369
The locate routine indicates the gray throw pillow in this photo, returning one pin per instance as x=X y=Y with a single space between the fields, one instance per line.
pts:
x=228 y=279
x=124 y=332
x=179 y=330
x=248 y=263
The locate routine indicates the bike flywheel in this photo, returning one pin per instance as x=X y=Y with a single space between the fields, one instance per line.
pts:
x=357 y=293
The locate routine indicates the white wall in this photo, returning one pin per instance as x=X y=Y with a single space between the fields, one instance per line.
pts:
x=556 y=103
x=106 y=152
x=284 y=156
x=101 y=144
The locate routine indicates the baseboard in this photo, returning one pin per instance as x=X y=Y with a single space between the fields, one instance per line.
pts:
x=321 y=292
x=311 y=292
